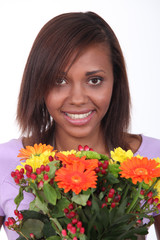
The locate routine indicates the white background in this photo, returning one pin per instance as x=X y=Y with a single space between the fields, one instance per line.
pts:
x=137 y=26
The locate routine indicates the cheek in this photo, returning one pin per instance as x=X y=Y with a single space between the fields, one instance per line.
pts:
x=103 y=99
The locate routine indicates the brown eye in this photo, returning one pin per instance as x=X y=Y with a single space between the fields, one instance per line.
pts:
x=61 y=81
x=95 y=81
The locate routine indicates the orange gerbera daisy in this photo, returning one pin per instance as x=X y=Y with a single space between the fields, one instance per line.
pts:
x=139 y=170
x=76 y=178
x=72 y=159
x=35 y=150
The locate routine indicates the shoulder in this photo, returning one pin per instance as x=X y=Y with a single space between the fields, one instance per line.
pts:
x=150 y=147
x=8 y=156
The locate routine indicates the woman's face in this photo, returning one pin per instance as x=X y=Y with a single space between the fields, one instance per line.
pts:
x=79 y=101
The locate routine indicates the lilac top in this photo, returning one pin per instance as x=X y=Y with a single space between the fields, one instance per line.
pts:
x=150 y=148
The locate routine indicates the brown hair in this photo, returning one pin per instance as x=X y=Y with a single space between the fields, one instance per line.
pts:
x=50 y=53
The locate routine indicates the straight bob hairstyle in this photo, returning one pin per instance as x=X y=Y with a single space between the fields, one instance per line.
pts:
x=51 y=51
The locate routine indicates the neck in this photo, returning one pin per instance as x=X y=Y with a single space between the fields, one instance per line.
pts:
x=64 y=142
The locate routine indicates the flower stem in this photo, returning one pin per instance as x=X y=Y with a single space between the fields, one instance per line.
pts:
x=134 y=199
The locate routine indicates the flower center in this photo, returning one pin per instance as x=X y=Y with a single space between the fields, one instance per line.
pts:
x=76 y=178
x=141 y=171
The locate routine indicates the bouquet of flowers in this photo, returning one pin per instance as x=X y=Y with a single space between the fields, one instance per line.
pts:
x=83 y=195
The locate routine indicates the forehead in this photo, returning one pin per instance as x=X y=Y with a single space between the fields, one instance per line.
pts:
x=96 y=55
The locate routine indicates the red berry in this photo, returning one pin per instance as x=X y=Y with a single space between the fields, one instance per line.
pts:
x=150 y=194
x=139 y=221
x=150 y=201
x=47 y=168
x=117 y=198
x=73 y=230
x=105 y=165
x=50 y=158
x=69 y=226
x=112 y=190
x=11 y=221
x=113 y=205
x=40 y=184
x=82 y=230
x=142 y=192
x=16 y=172
x=32 y=235
x=28 y=168
x=100 y=164
x=28 y=174
x=20 y=175
x=38 y=171
x=104 y=205
x=64 y=232
x=66 y=210
x=156 y=200
x=91 y=149
x=97 y=170
x=16 y=212
x=89 y=203
x=42 y=168
x=103 y=171
x=106 y=199
x=13 y=174
x=20 y=216
x=51 y=181
x=45 y=177
x=16 y=181
x=110 y=195
x=80 y=148
x=33 y=176
x=103 y=189
x=79 y=224
x=75 y=238
x=22 y=170
x=70 y=206
x=158 y=206
x=86 y=148
x=74 y=220
x=72 y=214
x=6 y=223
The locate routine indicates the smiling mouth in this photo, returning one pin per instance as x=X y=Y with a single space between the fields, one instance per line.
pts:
x=78 y=116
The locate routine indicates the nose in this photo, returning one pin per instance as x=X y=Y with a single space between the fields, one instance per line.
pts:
x=78 y=95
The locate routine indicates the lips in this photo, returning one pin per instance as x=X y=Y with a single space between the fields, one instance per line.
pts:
x=79 y=118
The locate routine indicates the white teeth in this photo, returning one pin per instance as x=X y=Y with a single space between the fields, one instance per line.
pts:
x=78 y=116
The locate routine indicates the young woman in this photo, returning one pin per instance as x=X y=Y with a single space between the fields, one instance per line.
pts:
x=74 y=91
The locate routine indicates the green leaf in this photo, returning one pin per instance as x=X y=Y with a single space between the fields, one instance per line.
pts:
x=34 y=226
x=114 y=169
x=54 y=238
x=81 y=199
x=53 y=168
x=19 y=197
x=48 y=230
x=41 y=205
x=55 y=224
x=104 y=157
x=50 y=193
x=32 y=206
x=90 y=155
x=111 y=178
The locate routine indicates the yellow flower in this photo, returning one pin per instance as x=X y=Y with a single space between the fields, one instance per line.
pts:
x=66 y=153
x=37 y=161
x=120 y=155
x=158 y=160
x=138 y=156
x=157 y=187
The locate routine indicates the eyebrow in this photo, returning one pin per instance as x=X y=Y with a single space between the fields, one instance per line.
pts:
x=93 y=72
